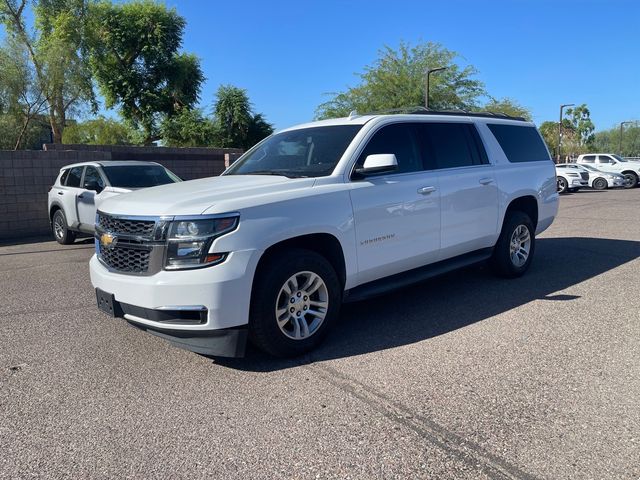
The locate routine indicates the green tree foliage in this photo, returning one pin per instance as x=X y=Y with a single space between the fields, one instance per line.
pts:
x=609 y=140
x=577 y=132
x=135 y=59
x=508 y=106
x=397 y=80
x=236 y=124
x=580 y=118
x=55 y=48
x=189 y=128
x=100 y=131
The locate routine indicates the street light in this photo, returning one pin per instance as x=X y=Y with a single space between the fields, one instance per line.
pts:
x=426 y=95
x=560 y=127
x=620 y=140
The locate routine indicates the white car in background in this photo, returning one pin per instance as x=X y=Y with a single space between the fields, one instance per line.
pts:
x=81 y=188
x=598 y=180
x=571 y=180
x=612 y=163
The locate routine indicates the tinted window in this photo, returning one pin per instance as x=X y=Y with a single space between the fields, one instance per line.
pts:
x=138 y=176
x=306 y=152
x=604 y=159
x=589 y=158
x=73 y=179
x=398 y=139
x=520 y=143
x=63 y=177
x=449 y=145
x=92 y=177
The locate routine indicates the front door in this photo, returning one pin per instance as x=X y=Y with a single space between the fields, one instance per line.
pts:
x=396 y=215
x=92 y=186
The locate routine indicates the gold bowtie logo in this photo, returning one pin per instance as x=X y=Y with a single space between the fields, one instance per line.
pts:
x=107 y=240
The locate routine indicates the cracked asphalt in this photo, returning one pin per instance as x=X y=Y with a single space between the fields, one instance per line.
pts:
x=463 y=376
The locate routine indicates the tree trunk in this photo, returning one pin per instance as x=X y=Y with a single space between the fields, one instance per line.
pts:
x=22 y=132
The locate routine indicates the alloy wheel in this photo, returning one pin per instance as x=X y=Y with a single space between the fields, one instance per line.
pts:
x=520 y=245
x=302 y=305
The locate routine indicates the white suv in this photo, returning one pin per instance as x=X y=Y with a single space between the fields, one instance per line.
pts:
x=81 y=188
x=318 y=214
x=609 y=162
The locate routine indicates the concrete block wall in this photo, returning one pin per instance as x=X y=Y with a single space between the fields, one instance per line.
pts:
x=25 y=177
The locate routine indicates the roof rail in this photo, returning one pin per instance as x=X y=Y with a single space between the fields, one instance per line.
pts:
x=419 y=110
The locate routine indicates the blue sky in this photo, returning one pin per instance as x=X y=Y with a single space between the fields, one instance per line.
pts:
x=287 y=53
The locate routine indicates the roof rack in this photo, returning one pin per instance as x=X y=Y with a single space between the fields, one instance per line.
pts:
x=419 y=110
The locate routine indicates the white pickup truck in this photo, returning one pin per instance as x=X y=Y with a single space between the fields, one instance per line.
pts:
x=319 y=214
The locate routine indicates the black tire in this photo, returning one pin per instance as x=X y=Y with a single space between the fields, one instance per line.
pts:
x=60 y=229
x=562 y=185
x=631 y=180
x=572 y=190
x=501 y=260
x=264 y=331
x=599 y=184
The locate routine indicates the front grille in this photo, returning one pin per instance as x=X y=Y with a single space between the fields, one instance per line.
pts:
x=125 y=259
x=126 y=226
x=584 y=175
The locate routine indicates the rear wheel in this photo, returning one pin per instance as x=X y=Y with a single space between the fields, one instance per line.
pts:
x=514 y=249
x=599 y=184
x=630 y=180
x=296 y=297
x=562 y=185
x=60 y=229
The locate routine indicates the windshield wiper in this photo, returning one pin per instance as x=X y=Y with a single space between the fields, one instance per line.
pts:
x=271 y=172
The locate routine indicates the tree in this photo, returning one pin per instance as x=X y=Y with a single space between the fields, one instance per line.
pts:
x=99 y=131
x=580 y=118
x=135 y=61
x=577 y=132
x=189 y=128
x=22 y=97
x=237 y=125
x=609 y=140
x=56 y=51
x=508 y=106
x=397 y=80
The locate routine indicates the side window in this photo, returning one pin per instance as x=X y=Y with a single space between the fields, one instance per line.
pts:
x=449 y=145
x=604 y=159
x=398 y=139
x=589 y=159
x=520 y=143
x=63 y=177
x=92 y=177
x=73 y=179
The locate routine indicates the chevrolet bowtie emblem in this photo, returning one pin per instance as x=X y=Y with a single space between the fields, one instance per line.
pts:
x=107 y=240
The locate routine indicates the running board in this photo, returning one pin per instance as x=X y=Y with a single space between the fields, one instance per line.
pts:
x=404 y=279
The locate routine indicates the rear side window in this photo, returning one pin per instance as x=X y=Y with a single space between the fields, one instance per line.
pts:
x=520 y=143
x=589 y=159
x=451 y=145
x=398 y=139
x=73 y=179
x=63 y=177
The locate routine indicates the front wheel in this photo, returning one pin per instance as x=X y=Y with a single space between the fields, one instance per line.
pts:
x=514 y=249
x=630 y=180
x=296 y=297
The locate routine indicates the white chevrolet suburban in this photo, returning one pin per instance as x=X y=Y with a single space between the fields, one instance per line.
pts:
x=319 y=214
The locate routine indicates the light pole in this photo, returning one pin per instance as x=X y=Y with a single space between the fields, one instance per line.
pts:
x=426 y=95
x=560 y=129
x=620 y=140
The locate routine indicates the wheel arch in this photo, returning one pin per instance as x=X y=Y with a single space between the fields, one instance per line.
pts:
x=527 y=204
x=52 y=210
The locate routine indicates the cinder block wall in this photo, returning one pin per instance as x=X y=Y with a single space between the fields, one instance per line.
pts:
x=25 y=176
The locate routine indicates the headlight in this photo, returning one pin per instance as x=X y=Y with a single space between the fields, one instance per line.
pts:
x=189 y=240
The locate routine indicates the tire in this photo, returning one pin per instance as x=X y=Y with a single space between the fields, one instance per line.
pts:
x=599 y=184
x=274 y=291
x=631 y=180
x=562 y=185
x=572 y=190
x=503 y=261
x=60 y=229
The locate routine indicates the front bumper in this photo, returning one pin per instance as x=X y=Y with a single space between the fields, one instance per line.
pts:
x=216 y=301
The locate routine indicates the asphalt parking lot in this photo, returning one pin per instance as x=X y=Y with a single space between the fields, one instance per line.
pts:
x=464 y=376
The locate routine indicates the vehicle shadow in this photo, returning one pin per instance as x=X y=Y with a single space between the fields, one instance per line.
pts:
x=454 y=301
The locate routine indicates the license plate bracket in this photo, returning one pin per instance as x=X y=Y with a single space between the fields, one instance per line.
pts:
x=107 y=303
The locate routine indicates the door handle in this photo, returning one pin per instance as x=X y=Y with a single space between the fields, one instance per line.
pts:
x=486 y=181
x=426 y=190
x=81 y=195
x=60 y=193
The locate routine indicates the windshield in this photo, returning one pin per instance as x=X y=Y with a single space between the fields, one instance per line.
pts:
x=139 y=176
x=619 y=158
x=307 y=152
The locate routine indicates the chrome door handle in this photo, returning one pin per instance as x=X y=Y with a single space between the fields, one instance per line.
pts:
x=485 y=180
x=426 y=190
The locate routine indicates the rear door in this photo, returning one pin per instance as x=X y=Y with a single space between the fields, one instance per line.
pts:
x=397 y=214
x=468 y=190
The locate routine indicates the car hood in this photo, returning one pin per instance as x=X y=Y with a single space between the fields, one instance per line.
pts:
x=194 y=197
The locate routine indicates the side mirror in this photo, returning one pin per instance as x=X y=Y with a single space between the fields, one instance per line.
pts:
x=378 y=163
x=95 y=186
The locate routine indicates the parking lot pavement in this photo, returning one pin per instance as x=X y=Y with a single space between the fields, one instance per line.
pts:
x=464 y=376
